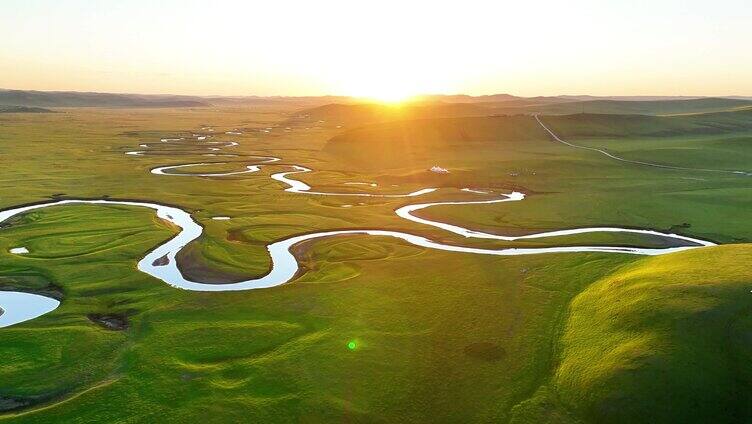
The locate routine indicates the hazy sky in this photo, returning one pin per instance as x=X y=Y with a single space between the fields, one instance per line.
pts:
x=378 y=48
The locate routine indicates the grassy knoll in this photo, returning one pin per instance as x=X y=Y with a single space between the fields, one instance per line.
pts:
x=438 y=336
x=662 y=340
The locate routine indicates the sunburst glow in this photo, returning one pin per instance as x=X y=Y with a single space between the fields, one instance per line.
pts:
x=389 y=96
x=387 y=50
x=385 y=82
x=385 y=94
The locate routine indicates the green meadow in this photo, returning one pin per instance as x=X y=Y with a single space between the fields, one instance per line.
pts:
x=374 y=329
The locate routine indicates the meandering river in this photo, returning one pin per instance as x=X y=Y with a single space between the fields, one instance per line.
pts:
x=161 y=262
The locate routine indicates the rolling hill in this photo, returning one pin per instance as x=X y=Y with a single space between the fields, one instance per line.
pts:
x=357 y=114
x=392 y=144
x=369 y=113
x=592 y=125
x=665 y=339
x=23 y=109
x=421 y=143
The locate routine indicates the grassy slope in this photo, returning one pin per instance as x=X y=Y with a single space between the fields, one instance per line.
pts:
x=717 y=140
x=423 y=143
x=626 y=126
x=663 y=339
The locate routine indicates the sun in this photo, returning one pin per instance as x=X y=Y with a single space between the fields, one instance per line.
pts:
x=382 y=87
x=390 y=95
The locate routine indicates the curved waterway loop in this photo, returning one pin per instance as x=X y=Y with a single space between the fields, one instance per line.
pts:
x=406 y=213
x=215 y=146
x=164 y=170
x=296 y=186
x=17 y=307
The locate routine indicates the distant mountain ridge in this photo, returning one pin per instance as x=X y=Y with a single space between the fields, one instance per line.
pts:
x=33 y=98
x=82 y=99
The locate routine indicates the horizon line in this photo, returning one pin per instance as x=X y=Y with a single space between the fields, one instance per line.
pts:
x=280 y=96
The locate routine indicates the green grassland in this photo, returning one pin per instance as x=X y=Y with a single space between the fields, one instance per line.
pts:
x=439 y=336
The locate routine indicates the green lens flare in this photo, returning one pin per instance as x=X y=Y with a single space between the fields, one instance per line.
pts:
x=352 y=345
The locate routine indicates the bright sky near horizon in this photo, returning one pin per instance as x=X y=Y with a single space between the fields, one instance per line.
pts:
x=378 y=48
